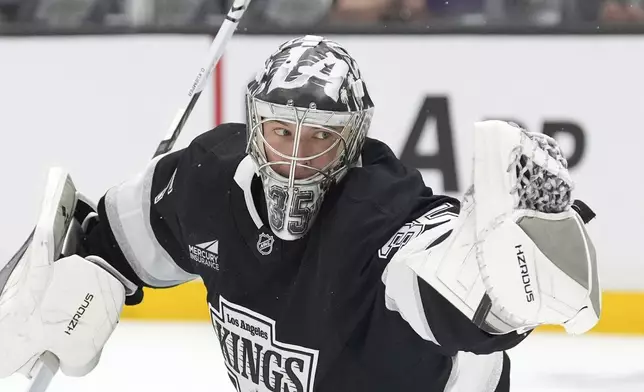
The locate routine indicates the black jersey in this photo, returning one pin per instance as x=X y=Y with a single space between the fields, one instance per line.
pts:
x=304 y=315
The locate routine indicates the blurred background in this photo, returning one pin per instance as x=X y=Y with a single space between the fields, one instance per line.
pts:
x=345 y=14
x=92 y=85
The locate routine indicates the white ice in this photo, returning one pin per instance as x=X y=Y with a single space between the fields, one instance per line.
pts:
x=186 y=358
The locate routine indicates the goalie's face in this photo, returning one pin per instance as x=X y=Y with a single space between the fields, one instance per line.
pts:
x=310 y=151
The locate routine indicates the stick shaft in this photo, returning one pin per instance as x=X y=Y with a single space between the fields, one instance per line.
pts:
x=216 y=50
x=45 y=370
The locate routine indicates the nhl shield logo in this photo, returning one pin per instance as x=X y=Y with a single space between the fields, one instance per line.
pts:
x=265 y=244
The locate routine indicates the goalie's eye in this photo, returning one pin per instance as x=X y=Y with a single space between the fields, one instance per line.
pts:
x=282 y=132
x=322 y=135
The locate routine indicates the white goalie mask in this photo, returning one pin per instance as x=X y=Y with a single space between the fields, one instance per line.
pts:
x=313 y=88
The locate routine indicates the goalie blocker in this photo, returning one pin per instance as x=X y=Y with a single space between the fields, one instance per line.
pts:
x=57 y=307
x=518 y=255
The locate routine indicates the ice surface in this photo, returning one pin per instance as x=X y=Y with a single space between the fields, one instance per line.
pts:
x=186 y=357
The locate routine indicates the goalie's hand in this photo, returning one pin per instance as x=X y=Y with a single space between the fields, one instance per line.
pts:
x=518 y=255
x=71 y=315
x=537 y=262
x=65 y=306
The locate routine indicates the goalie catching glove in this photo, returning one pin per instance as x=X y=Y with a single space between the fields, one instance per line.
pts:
x=53 y=301
x=518 y=255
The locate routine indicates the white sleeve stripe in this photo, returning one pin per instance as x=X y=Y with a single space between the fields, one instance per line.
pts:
x=471 y=372
x=403 y=296
x=128 y=210
x=402 y=293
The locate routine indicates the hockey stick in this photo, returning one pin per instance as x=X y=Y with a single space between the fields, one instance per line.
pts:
x=216 y=50
x=47 y=365
x=45 y=369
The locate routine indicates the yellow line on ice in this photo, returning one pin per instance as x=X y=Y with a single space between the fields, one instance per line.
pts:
x=622 y=311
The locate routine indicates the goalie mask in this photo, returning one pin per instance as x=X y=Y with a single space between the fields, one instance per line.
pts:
x=308 y=115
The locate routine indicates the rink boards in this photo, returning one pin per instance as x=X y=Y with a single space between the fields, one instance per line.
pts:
x=99 y=105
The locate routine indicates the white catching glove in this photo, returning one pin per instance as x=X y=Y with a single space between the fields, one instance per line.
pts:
x=518 y=255
x=536 y=259
x=68 y=307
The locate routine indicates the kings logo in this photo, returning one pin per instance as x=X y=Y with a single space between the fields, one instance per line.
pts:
x=255 y=360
